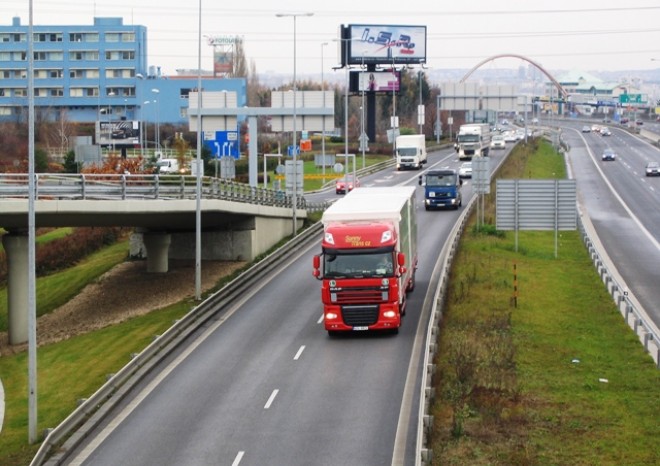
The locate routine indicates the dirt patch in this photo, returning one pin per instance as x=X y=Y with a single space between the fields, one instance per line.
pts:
x=123 y=292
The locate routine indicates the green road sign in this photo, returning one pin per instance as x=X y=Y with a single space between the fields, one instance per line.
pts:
x=631 y=99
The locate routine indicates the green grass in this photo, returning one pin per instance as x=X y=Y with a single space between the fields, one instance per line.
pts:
x=519 y=381
x=54 y=290
x=68 y=371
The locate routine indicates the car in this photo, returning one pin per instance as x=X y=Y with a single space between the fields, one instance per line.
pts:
x=465 y=170
x=652 y=169
x=595 y=128
x=608 y=155
x=605 y=132
x=639 y=122
x=586 y=129
x=510 y=136
x=497 y=142
x=346 y=184
x=624 y=120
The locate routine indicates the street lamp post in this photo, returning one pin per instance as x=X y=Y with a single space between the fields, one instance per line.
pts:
x=323 y=122
x=294 y=199
x=363 y=134
x=140 y=77
x=157 y=137
x=344 y=41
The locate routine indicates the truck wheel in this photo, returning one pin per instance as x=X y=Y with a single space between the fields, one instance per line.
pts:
x=333 y=333
x=411 y=283
x=427 y=207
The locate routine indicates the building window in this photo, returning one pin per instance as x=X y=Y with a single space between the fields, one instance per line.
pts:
x=57 y=92
x=48 y=37
x=120 y=55
x=112 y=37
x=128 y=37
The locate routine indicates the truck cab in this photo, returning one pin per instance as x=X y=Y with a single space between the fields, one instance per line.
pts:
x=442 y=189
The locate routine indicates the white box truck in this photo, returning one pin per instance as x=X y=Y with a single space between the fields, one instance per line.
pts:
x=410 y=151
x=473 y=140
x=368 y=259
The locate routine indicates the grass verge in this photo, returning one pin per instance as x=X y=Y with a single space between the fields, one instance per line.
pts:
x=554 y=377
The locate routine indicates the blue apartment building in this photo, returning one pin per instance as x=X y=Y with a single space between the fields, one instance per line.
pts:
x=94 y=73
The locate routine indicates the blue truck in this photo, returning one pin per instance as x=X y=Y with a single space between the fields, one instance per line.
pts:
x=442 y=189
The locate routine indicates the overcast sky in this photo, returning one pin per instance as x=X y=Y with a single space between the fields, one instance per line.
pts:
x=586 y=35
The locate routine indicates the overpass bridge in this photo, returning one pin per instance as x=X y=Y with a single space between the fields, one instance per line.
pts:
x=238 y=221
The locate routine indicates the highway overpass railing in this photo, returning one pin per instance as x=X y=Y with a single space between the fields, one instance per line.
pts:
x=128 y=186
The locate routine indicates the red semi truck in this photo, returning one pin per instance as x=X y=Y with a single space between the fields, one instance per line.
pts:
x=368 y=259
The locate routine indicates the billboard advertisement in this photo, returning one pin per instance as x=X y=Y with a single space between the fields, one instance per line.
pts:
x=374 y=81
x=118 y=133
x=383 y=44
x=223 y=61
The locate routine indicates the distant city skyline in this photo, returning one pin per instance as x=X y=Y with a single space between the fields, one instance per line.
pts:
x=559 y=35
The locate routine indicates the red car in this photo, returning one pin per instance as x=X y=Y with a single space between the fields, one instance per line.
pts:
x=346 y=184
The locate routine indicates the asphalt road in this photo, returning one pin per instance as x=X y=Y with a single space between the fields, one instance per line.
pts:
x=624 y=206
x=266 y=385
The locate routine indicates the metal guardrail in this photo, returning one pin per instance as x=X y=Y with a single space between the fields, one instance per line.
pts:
x=130 y=187
x=633 y=313
x=71 y=432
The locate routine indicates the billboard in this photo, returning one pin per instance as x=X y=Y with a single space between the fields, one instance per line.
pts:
x=118 y=133
x=374 y=81
x=382 y=44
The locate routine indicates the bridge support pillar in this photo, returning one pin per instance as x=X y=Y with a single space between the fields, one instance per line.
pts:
x=16 y=248
x=157 y=245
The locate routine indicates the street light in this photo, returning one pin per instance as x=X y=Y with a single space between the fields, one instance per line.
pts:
x=346 y=39
x=140 y=77
x=157 y=137
x=294 y=199
x=323 y=122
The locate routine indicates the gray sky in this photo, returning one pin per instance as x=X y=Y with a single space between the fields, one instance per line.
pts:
x=587 y=35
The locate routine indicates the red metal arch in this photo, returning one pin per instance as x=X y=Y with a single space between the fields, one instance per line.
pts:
x=528 y=60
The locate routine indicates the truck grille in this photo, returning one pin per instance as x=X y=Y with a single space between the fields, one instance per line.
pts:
x=368 y=295
x=360 y=316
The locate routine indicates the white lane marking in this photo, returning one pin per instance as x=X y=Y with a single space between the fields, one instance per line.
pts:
x=271 y=399
x=320 y=319
x=238 y=458
x=105 y=433
x=299 y=353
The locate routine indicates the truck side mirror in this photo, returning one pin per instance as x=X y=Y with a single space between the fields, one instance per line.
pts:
x=316 y=264
x=401 y=259
x=420 y=180
x=460 y=181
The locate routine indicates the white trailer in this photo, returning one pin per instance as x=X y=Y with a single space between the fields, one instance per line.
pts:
x=410 y=151
x=473 y=140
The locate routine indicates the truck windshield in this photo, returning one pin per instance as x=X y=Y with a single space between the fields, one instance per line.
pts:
x=358 y=265
x=468 y=138
x=441 y=180
x=406 y=151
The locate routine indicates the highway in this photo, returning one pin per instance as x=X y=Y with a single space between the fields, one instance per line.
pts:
x=266 y=385
x=624 y=206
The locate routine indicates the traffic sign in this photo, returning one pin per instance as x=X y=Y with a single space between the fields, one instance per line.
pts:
x=631 y=99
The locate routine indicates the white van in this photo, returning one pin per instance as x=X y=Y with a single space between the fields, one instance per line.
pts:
x=168 y=166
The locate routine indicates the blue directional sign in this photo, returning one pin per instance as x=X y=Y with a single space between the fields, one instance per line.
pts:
x=226 y=143
x=291 y=150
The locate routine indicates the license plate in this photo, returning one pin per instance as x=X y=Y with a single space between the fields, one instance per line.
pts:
x=360 y=328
